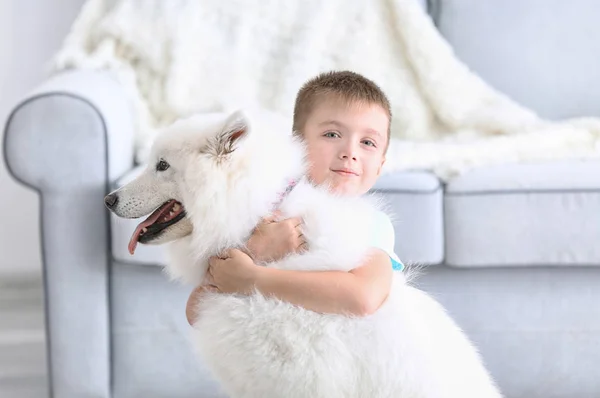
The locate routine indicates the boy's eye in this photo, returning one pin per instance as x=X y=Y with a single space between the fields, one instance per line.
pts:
x=331 y=134
x=369 y=143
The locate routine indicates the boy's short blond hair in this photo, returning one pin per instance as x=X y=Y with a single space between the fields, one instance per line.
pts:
x=347 y=86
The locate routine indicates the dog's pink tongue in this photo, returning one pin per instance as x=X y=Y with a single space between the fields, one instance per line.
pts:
x=152 y=218
x=136 y=235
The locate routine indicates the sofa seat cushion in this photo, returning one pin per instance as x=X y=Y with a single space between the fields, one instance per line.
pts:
x=524 y=215
x=414 y=200
x=152 y=354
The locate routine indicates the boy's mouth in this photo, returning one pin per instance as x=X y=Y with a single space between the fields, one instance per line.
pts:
x=345 y=172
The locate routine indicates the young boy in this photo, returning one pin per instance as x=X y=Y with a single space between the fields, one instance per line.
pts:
x=344 y=119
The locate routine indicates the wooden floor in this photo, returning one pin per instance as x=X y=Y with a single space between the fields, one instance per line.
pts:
x=22 y=346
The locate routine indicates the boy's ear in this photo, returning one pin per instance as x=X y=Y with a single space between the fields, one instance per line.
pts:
x=234 y=131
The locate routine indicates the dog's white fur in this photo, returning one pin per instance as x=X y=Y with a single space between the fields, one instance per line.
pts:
x=258 y=346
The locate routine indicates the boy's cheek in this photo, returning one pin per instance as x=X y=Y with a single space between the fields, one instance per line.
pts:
x=317 y=169
x=317 y=176
x=312 y=174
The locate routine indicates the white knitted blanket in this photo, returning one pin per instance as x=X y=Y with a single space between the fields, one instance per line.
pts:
x=176 y=57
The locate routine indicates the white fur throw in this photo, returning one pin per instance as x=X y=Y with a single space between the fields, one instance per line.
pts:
x=176 y=57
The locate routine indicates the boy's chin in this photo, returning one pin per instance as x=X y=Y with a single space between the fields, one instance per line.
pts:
x=346 y=189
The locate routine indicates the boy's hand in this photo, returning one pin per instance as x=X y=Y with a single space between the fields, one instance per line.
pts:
x=232 y=272
x=273 y=240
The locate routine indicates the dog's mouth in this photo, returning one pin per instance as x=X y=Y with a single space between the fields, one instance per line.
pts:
x=166 y=215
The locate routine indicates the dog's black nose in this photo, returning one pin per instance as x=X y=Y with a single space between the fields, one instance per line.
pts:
x=111 y=200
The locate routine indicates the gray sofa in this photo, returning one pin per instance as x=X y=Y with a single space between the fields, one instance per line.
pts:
x=513 y=251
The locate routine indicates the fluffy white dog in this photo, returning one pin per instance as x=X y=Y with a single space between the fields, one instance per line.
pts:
x=209 y=182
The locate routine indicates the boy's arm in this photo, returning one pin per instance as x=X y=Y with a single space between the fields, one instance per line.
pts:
x=358 y=292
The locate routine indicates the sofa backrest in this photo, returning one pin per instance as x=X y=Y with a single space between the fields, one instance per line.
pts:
x=545 y=54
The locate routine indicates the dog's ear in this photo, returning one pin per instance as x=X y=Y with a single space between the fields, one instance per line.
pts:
x=233 y=133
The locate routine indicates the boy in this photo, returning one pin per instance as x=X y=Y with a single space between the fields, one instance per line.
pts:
x=344 y=119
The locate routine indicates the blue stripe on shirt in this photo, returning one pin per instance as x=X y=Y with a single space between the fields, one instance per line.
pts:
x=396 y=265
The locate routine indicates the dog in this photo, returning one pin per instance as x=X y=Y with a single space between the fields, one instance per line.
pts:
x=209 y=182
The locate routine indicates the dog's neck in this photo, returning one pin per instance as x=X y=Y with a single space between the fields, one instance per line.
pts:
x=282 y=195
x=276 y=173
x=263 y=179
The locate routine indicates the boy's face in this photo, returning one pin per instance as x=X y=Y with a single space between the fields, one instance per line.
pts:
x=346 y=145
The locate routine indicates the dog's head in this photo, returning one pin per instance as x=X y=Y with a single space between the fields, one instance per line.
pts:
x=212 y=175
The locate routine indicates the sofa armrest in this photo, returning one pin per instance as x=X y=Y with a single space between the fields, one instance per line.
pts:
x=103 y=94
x=68 y=140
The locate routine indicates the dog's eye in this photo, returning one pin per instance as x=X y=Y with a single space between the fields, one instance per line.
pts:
x=162 y=165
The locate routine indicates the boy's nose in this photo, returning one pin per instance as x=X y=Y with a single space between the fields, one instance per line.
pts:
x=348 y=153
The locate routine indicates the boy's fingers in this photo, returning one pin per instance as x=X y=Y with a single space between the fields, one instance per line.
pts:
x=211 y=261
x=268 y=219
x=295 y=221
x=273 y=217
x=246 y=251
x=236 y=253
x=224 y=255
x=210 y=277
x=302 y=244
x=303 y=247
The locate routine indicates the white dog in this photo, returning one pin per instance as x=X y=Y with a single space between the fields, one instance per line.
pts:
x=209 y=182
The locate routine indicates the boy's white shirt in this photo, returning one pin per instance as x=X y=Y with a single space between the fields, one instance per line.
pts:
x=383 y=236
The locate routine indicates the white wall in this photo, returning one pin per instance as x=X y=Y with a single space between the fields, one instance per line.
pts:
x=30 y=32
